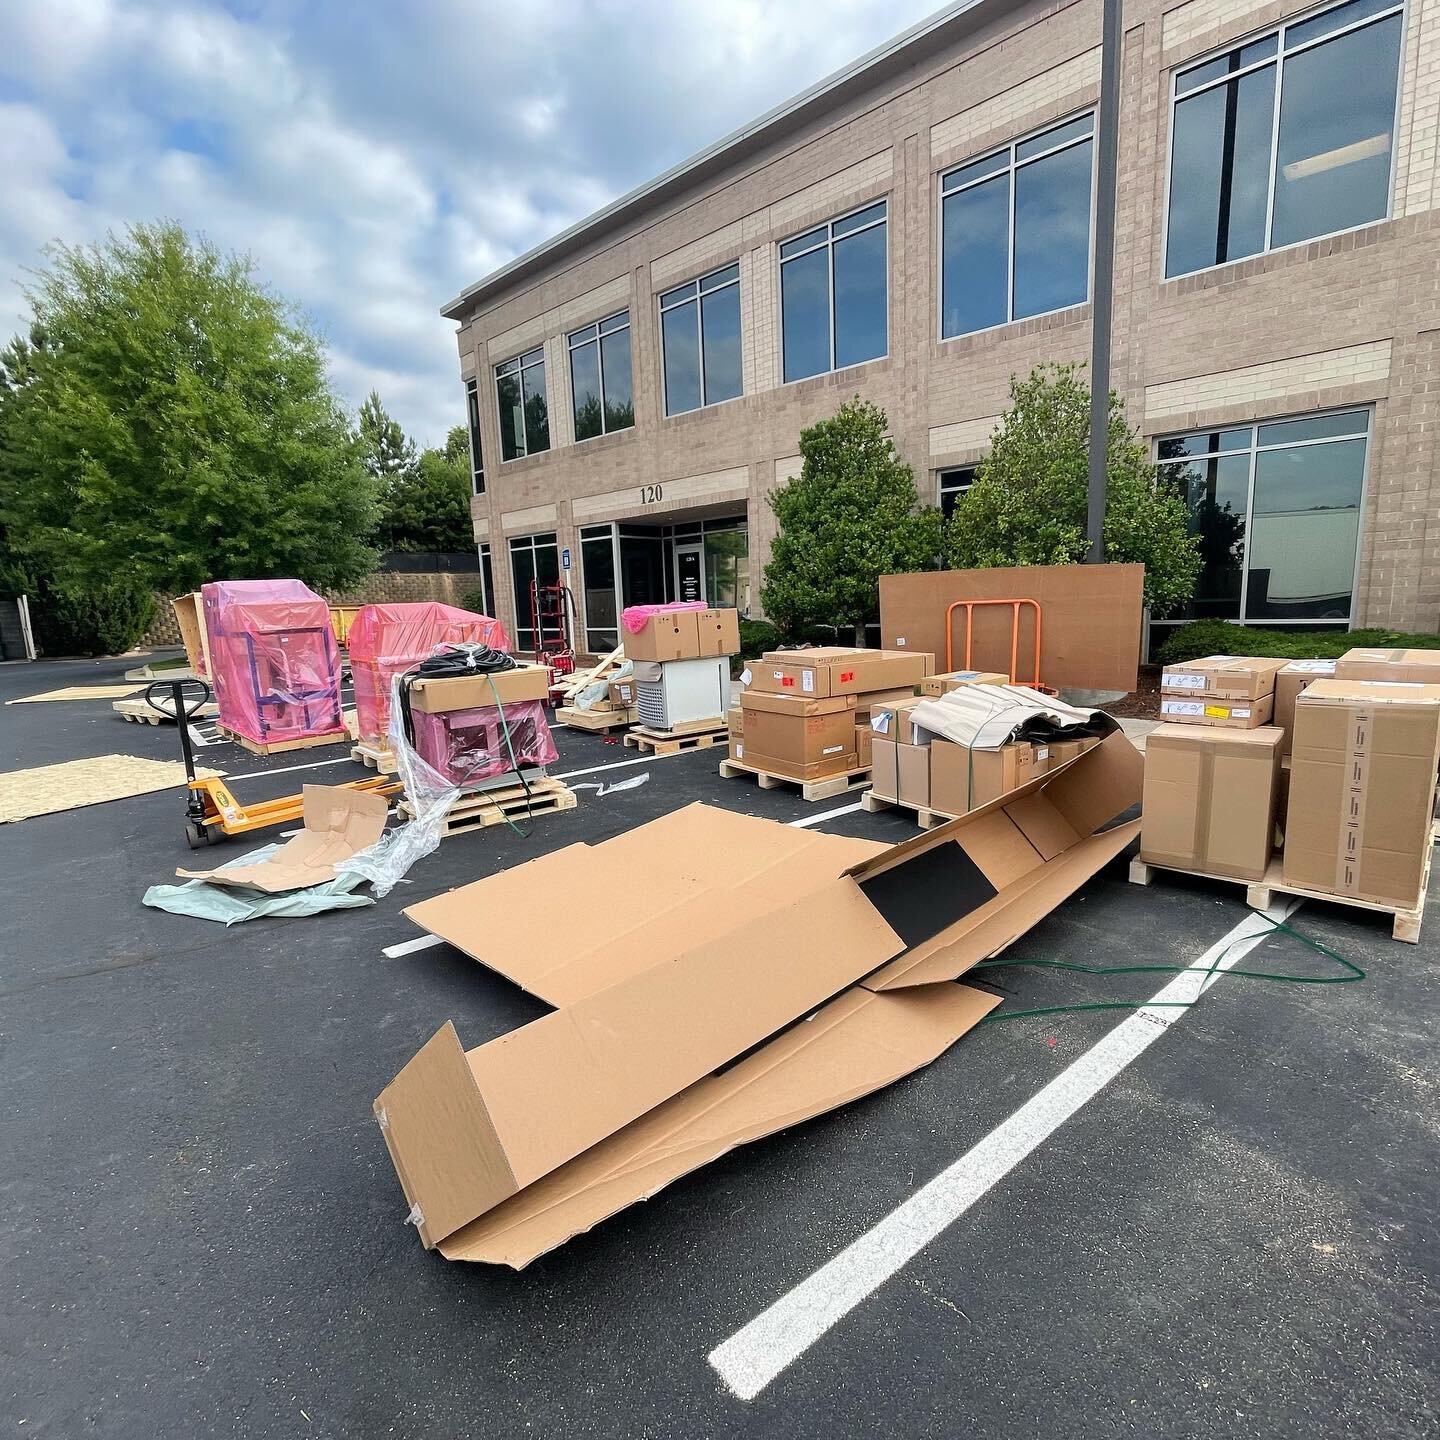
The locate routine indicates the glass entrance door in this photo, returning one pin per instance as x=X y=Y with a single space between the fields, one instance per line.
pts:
x=690 y=572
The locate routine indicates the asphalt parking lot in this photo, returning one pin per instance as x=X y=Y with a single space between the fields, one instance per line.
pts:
x=202 y=1234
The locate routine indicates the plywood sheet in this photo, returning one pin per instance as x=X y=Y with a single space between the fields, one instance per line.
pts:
x=78 y=692
x=1090 y=621
x=49 y=789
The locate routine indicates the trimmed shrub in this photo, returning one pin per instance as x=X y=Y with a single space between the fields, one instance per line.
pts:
x=103 y=620
x=1220 y=637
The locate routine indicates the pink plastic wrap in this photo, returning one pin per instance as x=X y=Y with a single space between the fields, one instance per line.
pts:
x=386 y=639
x=276 y=669
x=636 y=617
x=467 y=746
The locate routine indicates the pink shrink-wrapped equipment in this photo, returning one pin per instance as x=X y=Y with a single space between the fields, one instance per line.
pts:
x=468 y=746
x=274 y=664
x=386 y=639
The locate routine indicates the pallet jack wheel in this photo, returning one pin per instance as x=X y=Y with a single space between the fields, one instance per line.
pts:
x=197 y=836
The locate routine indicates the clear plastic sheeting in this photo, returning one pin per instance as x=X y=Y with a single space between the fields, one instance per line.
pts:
x=229 y=907
x=275 y=665
x=636 y=617
x=387 y=639
x=467 y=746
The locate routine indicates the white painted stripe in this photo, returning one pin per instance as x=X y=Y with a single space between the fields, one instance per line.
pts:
x=196 y=738
x=756 y=1353
x=409 y=947
x=825 y=815
x=617 y=765
x=291 y=769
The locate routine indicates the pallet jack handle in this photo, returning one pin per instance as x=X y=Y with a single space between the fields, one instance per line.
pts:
x=200 y=691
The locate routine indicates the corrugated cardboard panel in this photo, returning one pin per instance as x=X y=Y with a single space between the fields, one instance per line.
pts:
x=562 y=1083
x=1090 y=632
x=853 y=1046
x=638 y=895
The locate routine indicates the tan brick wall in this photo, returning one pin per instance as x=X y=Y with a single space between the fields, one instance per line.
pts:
x=1344 y=320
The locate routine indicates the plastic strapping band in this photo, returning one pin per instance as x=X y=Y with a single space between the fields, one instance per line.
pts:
x=416 y=1217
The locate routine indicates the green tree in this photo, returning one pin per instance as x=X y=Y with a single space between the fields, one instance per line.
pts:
x=849 y=517
x=387 y=450
x=427 y=506
x=1029 y=501
x=174 y=426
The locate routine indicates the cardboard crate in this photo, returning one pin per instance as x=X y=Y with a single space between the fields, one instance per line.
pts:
x=1222 y=677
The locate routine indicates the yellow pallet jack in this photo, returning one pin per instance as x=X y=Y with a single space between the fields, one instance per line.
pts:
x=211 y=809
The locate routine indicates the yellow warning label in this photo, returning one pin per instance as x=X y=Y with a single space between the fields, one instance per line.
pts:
x=1218 y=712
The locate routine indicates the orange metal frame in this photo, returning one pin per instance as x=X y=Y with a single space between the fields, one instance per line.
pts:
x=969 y=607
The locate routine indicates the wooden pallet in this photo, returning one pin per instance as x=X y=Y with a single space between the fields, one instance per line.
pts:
x=485 y=808
x=279 y=747
x=826 y=789
x=141 y=712
x=594 y=720
x=925 y=817
x=1260 y=894
x=373 y=757
x=700 y=736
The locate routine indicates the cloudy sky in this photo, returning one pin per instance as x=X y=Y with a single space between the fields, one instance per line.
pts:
x=376 y=156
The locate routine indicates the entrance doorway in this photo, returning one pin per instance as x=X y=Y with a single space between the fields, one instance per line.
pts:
x=690 y=572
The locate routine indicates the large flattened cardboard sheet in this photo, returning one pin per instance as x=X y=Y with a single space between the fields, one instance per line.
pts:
x=1090 y=620
x=851 y=1047
x=635 y=899
x=548 y=1091
x=338 y=823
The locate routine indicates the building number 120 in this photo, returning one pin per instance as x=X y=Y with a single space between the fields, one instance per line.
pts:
x=651 y=494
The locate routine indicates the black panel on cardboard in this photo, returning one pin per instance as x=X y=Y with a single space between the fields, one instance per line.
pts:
x=928 y=892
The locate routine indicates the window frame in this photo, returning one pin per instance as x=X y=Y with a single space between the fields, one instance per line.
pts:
x=959 y=491
x=829 y=243
x=613 y=526
x=472 y=424
x=539 y=540
x=1253 y=449
x=592 y=334
x=497 y=373
x=697 y=298
x=1012 y=166
x=1278 y=30
x=486 y=557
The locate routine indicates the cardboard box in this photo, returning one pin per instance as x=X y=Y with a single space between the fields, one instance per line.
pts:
x=475 y=692
x=735 y=719
x=912 y=765
x=799 y=733
x=670 y=635
x=717 y=632
x=833 y=670
x=871 y=700
x=683 y=967
x=893 y=719
x=737 y=746
x=962 y=779
x=1412 y=666
x=1210 y=799
x=1230 y=714
x=1222 y=677
x=864 y=739
x=884 y=768
x=1289 y=682
x=621 y=694
x=944 y=684
x=1039 y=759
x=1362 y=789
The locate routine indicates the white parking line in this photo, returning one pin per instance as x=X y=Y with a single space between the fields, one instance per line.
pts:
x=291 y=769
x=409 y=947
x=825 y=815
x=616 y=765
x=759 y=1351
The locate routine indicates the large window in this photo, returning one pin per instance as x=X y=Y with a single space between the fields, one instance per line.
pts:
x=599 y=568
x=1284 y=138
x=487 y=582
x=532 y=557
x=833 y=294
x=700 y=341
x=1277 y=510
x=1015 y=230
x=524 y=417
x=472 y=420
x=600 y=385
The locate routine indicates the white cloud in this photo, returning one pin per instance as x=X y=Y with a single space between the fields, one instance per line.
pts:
x=376 y=160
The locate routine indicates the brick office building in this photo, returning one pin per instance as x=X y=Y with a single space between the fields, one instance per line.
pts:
x=918 y=227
